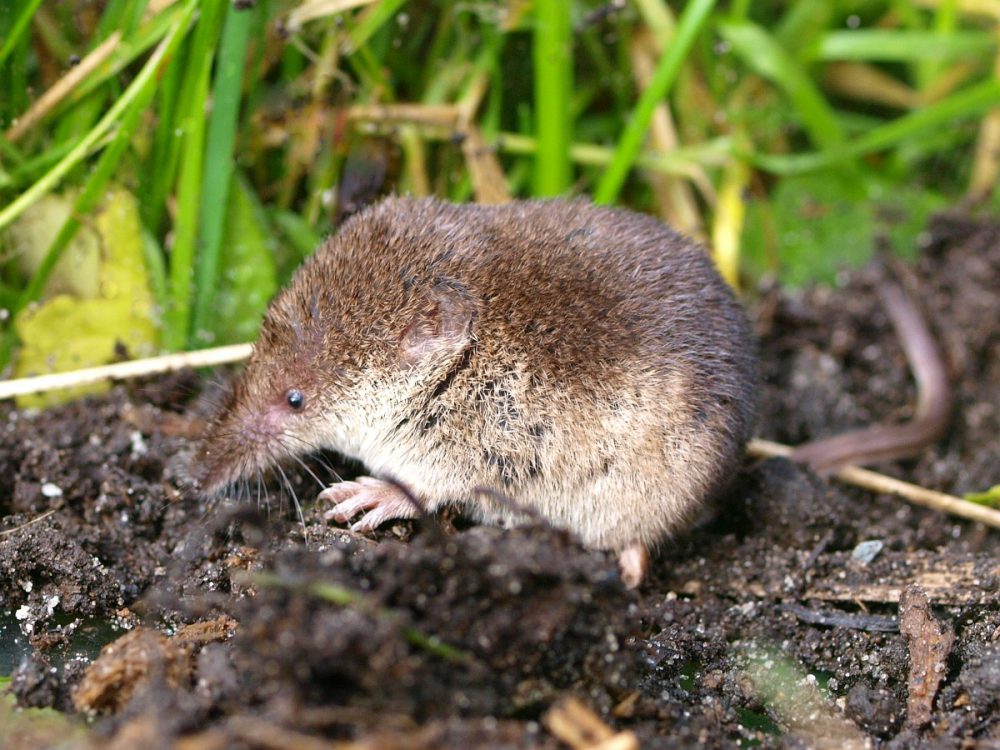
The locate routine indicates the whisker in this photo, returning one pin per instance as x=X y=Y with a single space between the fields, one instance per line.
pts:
x=309 y=471
x=300 y=440
x=333 y=472
x=312 y=447
x=295 y=500
x=315 y=455
x=263 y=500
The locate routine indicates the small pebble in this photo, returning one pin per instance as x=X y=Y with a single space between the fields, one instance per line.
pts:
x=865 y=552
x=51 y=490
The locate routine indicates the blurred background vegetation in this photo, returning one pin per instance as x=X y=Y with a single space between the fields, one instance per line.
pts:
x=166 y=164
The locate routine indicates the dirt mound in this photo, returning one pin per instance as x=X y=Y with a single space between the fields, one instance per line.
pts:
x=769 y=625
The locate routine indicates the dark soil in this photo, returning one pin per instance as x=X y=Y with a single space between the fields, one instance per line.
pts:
x=760 y=627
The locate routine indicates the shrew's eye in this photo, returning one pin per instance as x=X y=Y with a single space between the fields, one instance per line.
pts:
x=295 y=399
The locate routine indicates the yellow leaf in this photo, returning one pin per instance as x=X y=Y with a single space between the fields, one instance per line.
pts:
x=67 y=332
x=30 y=237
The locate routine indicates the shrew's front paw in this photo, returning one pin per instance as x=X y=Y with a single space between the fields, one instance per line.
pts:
x=381 y=501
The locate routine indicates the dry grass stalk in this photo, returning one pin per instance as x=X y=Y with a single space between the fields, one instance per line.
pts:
x=441 y=115
x=124 y=370
x=62 y=88
x=986 y=162
x=313 y=9
x=674 y=197
x=871 y=480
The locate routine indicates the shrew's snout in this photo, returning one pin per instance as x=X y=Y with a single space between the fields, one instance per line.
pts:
x=238 y=447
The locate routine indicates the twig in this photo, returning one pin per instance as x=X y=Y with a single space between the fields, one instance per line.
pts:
x=26 y=524
x=65 y=85
x=488 y=180
x=124 y=370
x=440 y=122
x=929 y=641
x=575 y=724
x=440 y=115
x=838 y=619
x=309 y=11
x=871 y=480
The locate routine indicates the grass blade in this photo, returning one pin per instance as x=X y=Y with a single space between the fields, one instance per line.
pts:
x=973 y=101
x=903 y=46
x=553 y=90
x=768 y=58
x=160 y=170
x=103 y=127
x=17 y=29
x=193 y=99
x=692 y=21
x=127 y=51
x=220 y=146
x=370 y=21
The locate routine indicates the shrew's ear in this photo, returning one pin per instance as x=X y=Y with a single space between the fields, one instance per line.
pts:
x=441 y=324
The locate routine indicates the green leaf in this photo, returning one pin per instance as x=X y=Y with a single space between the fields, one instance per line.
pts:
x=817 y=224
x=248 y=278
x=903 y=46
x=990 y=497
x=28 y=240
x=901 y=212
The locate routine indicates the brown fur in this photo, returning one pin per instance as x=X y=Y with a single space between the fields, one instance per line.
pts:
x=586 y=362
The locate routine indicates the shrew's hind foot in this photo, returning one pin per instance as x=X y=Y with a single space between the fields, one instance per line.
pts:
x=382 y=501
x=633 y=563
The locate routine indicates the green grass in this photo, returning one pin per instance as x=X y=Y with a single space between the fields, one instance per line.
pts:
x=630 y=142
x=794 y=123
x=553 y=63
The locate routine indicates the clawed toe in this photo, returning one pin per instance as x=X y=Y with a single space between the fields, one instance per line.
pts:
x=348 y=499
